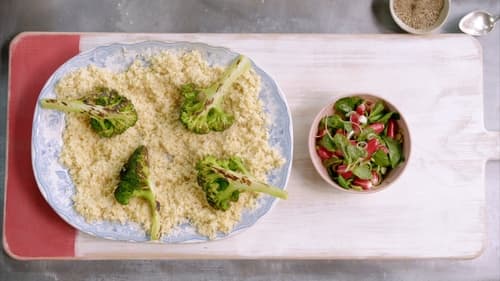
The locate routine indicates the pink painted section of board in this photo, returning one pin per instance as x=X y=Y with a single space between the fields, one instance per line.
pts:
x=32 y=229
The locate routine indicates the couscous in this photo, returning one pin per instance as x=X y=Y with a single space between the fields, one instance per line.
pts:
x=94 y=162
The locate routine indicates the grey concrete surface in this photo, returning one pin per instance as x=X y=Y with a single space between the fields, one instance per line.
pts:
x=292 y=16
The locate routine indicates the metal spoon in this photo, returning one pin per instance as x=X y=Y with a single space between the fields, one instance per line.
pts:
x=478 y=23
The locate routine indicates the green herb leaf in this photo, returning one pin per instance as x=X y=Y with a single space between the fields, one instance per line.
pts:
x=381 y=159
x=374 y=118
x=388 y=116
x=347 y=104
x=334 y=122
x=347 y=126
x=377 y=112
x=327 y=142
x=394 y=151
x=354 y=153
x=341 y=142
x=333 y=161
x=363 y=136
x=351 y=152
x=343 y=182
x=363 y=172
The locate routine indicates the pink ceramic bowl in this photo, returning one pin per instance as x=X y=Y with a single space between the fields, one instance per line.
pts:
x=391 y=177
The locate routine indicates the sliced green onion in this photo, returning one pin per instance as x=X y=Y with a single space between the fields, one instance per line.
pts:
x=362 y=144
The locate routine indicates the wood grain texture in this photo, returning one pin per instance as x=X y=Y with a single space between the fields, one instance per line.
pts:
x=435 y=209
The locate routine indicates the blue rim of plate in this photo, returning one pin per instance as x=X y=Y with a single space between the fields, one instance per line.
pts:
x=56 y=185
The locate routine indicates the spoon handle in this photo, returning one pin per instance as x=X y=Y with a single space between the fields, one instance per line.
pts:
x=496 y=19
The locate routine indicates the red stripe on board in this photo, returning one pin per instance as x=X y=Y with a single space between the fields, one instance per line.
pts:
x=31 y=228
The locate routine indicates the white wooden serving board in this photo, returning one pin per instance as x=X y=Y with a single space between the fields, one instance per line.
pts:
x=436 y=208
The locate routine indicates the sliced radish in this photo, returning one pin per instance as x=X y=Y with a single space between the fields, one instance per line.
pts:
x=392 y=128
x=377 y=127
x=354 y=118
x=342 y=170
x=356 y=128
x=383 y=148
x=323 y=153
x=360 y=109
x=372 y=146
x=364 y=184
x=321 y=133
x=338 y=153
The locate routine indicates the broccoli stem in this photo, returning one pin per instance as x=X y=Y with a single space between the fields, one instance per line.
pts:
x=66 y=106
x=257 y=186
x=108 y=112
x=150 y=198
x=217 y=90
x=249 y=183
x=78 y=107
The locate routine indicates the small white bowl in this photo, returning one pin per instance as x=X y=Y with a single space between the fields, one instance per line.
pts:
x=433 y=28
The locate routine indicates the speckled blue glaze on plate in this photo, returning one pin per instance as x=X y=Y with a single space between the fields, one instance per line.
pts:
x=56 y=185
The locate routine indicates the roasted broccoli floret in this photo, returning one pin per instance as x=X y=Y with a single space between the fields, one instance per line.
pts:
x=201 y=110
x=134 y=182
x=110 y=113
x=223 y=180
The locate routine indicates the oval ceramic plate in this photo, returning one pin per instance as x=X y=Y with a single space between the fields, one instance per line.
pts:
x=56 y=185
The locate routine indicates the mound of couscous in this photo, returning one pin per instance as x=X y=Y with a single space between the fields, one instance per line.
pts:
x=94 y=163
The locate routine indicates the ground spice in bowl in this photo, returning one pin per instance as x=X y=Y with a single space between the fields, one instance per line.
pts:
x=418 y=14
